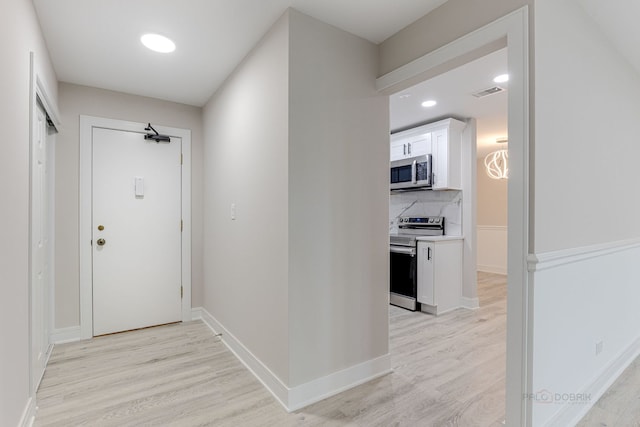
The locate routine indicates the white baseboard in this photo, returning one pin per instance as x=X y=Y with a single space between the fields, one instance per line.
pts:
x=29 y=413
x=321 y=388
x=491 y=269
x=303 y=395
x=251 y=362
x=470 y=303
x=571 y=414
x=65 y=335
x=196 y=313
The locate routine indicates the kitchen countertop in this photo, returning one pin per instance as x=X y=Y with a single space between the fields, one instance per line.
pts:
x=438 y=238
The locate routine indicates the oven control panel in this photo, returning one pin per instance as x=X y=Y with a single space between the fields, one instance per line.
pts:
x=422 y=220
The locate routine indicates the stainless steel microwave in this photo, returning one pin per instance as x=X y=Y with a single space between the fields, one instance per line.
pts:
x=414 y=172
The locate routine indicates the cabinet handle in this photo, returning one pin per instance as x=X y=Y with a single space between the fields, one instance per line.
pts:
x=409 y=145
x=428 y=254
x=404 y=149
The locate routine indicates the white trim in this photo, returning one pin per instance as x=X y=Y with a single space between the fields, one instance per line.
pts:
x=87 y=123
x=322 y=388
x=38 y=91
x=445 y=54
x=65 y=335
x=491 y=269
x=29 y=413
x=553 y=259
x=268 y=379
x=515 y=26
x=570 y=415
x=305 y=394
x=196 y=313
x=492 y=228
x=470 y=303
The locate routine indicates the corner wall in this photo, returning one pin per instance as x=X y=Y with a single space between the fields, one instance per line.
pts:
x=19 y=35
x=338 y=202
x=297 y=151
x=74 y=101
x=246 y=166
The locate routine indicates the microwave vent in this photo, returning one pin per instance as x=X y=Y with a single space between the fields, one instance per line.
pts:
x=489 y=91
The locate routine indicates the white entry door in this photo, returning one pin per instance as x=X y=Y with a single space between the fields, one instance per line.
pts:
x=136 y=237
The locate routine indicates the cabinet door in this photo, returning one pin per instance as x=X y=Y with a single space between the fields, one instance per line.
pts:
x=440 y=144
x=420 y=145
x=426 y=286
x=398 y=150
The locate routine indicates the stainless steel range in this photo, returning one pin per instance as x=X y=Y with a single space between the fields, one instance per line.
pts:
x=403 y=257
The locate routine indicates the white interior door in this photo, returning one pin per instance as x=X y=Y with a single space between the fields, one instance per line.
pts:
x=136 y=237
x=39 y=248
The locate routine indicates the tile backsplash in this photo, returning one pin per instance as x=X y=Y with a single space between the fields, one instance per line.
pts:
x=427 y=203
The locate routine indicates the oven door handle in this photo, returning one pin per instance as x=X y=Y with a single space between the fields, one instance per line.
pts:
x=403 y=250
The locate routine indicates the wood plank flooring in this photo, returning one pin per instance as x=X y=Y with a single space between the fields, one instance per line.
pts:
x=620 y=405
x=447 y=371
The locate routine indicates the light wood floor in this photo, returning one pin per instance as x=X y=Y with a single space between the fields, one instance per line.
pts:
x=447 y=371
x=620 y=405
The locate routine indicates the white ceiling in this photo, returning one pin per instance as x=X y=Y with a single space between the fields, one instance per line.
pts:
x=453 y=92
x=96 y=42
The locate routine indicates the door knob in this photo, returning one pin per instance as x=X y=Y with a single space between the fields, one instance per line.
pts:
x=101 y=242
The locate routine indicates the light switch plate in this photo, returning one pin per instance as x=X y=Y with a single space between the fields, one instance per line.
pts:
x=139 y=186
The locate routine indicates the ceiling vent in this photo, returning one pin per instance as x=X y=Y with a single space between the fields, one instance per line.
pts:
x=489 y=91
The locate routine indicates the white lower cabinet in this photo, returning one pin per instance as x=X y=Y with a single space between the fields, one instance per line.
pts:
x=439 y=275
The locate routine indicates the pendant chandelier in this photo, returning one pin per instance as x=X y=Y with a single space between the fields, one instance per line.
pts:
x=496 y=164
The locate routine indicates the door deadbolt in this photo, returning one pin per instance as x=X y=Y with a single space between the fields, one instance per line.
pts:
x=101 y=227
x=101 y=242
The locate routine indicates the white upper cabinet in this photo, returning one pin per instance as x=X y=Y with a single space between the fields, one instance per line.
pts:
x=443 y=141
x=410 y=143
x=447 y=155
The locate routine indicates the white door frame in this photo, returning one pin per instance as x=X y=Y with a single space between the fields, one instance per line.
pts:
x=38 y=92
x=87 y=123
x=514 y=29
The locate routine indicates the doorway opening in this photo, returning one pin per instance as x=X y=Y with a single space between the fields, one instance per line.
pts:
x=510 y=32
x=474 y=316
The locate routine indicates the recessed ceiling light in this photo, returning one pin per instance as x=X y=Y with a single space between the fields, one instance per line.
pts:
x=429 y=103
x=158 y=43
x=502 y=78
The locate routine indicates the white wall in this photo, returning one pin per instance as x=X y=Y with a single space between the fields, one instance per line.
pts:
x=297 y=140
x=74 y=101
x=338 y=202
x=246 y=164
x=19 y=35
x=587 y=150
x=491 y=222
x=586 y=210
x=452 y=20
x=492 y=198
